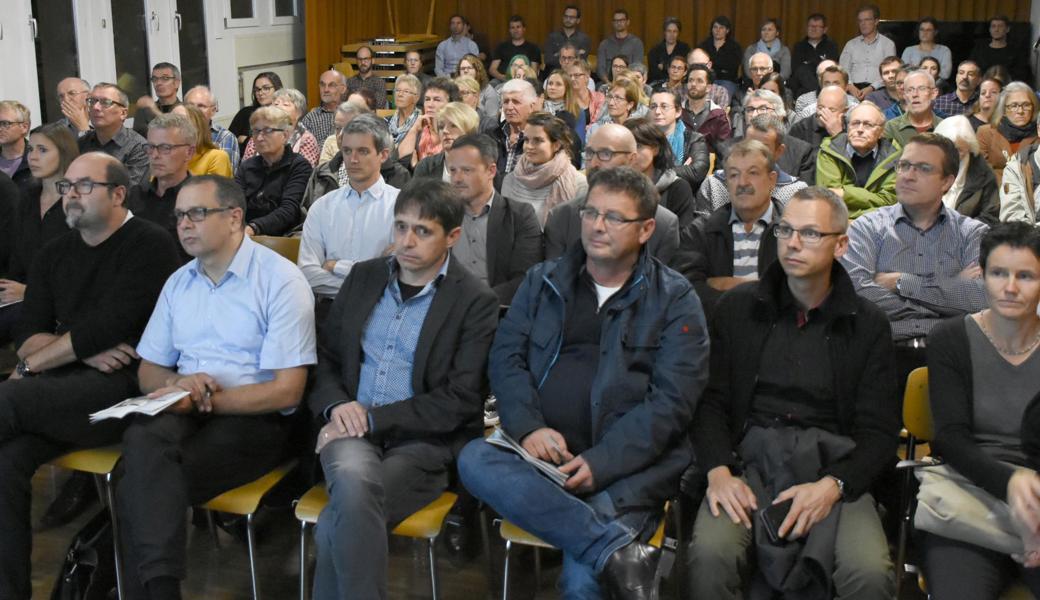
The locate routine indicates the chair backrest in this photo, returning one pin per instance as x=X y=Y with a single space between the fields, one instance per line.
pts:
x=286 y=246
x=917 y=411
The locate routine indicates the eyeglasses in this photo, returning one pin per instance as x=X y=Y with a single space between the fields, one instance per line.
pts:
x=1017 y=106
x=808 y=235
x=613 y=98
x=662 y=106
x=404 y=92
x=604 y=154
x=761 y=69
x=163 y=149
x=676 y=67
x=905 y=166
x=921 y=89
x=467 y=69
x=197 y=214
x=264 y=88
x=612 y=220
x=162 y=78
x=863 y=125
x=82 y=187
x=6 y=124
x=104 y=102
x=754 y=110
x=266 y=131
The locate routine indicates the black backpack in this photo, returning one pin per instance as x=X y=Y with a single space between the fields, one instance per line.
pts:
x=89 y=569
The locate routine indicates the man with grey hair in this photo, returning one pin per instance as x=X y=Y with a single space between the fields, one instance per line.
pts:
x=202 y=98
x=355 y=222
x=860 y=165
x=768 y=130
x=518 y=102
x=72 y=94
x=332 y=85
x=796 y=157
x=828 y=117
x=920 y=93
x=840 y=417
x=108 y=111
x=171 y=146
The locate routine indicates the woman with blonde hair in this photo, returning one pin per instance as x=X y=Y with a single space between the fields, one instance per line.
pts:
x=453 y=121
x=489 y=100
x=623 y=103
x=208 y=159
x=544 y=176
x=469 y=92
x=590 y=102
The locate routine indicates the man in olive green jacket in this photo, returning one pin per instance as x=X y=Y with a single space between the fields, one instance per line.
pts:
x=859 y=165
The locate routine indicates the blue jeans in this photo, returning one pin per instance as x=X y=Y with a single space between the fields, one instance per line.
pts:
x=587 y=530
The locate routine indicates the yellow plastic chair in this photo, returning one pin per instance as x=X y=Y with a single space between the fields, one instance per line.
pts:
x=289 y=247
x=426 y=523
x=514 y=535
x=244 y=501
x=99 y=462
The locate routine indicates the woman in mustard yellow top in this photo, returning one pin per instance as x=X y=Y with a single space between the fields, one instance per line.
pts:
x=208 y=159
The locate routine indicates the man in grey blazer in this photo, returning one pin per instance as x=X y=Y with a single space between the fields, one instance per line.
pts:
x=501 y=238
x=610 y=146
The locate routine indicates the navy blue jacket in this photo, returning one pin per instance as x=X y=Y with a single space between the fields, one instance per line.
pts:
x=652 y=369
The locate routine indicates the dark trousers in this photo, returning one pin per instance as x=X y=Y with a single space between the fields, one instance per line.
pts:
x=9 y=317
x=41 y=417
x=171 y=462
x=960 y=570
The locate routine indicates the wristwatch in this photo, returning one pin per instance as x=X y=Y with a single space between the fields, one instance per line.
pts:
x=23 y=370
x=841 y=485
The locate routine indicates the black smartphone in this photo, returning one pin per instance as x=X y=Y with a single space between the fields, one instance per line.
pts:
x=772 y=516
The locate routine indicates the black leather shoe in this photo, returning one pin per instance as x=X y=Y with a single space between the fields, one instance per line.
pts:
x=631 y=573
x=78 y=494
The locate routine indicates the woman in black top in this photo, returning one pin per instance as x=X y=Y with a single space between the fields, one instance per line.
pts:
x=725 y=53
x=982 y=375
x=40 y=215
x=654 y=158
x=274 y=180
x=671 y=46
x=264 y=86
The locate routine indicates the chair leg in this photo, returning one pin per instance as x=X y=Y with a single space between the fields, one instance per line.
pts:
x=110 y=498
x=431 y=546
x=905 y=504
x=251 y=539
x=505 y=572
x=303 y=560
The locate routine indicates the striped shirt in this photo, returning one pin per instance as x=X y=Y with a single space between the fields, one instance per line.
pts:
x=885 y=240
x=745 y=243
x=226 y=141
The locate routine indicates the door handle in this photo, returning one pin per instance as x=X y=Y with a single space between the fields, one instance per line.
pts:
x=154 y=18
x=35 y=28
x=177 y=20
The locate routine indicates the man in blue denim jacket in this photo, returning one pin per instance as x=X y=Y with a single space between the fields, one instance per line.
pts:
x=597 y=367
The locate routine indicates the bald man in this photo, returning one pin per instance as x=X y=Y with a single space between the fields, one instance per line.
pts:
x=609 y=147
x=88 y=299
x=332 y=85
x=860 y=166
x=827 y=119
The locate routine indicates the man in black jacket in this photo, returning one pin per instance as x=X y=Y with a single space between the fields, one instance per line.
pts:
x=87 y=301
x=399 y=386
x=800 y=406
x=500 y=238
x=810 y=52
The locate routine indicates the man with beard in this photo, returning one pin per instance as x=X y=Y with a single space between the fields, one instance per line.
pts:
x=701 y=114
x=332 y=86
x=366 y=78
x=961 y=100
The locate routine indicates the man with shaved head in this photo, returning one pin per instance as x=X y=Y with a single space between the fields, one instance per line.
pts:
x=828 y=118
x=860 y=166
x=332 y=85
x=202 y=98
x=609 y=147
x=87 y=301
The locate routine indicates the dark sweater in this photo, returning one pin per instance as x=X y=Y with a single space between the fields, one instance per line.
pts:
x=33 y=232
x=10 y=197
x=101 y=295
x=145 y=202
x=274 y=193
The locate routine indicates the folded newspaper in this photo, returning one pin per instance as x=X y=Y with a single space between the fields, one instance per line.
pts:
x=502 y=439
x=141 y=404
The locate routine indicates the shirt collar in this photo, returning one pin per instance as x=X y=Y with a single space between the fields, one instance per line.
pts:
x=394 y=267
x=374 y=191
x=766 y=218
x=851 y=152
x=239 y=266
x=902 y=216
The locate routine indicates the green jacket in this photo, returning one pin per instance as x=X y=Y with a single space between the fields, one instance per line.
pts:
x=835 y=170
x=900 y=130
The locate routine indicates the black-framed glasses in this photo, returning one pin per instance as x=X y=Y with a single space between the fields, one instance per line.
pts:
x=904 y=166
x=808 y=235
x=264 y=88
x=613 y=220
x=163 y=149
x=82 y=187
x=104 y=102
x=197 y=214
x=265 y=131
x=603 y=154
x=162 y=78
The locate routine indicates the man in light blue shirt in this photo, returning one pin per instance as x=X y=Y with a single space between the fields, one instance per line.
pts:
x=451 y=50
x=399 y=383
x=352 y=223
x=235 y=329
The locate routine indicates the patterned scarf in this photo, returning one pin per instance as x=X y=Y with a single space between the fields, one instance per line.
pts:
x=397 y=129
